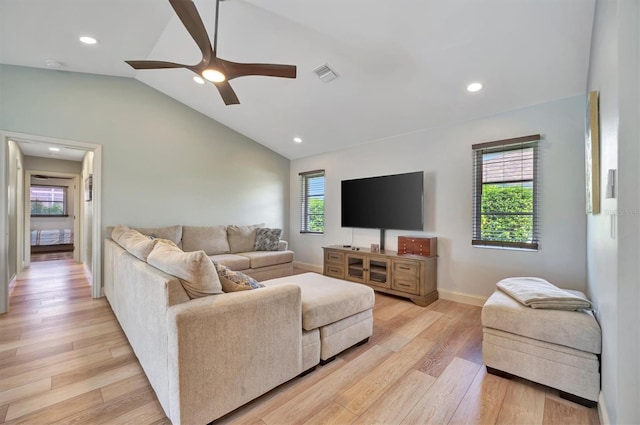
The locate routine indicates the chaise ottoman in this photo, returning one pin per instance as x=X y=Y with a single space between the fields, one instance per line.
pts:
x=556 y=348
x=338 y=312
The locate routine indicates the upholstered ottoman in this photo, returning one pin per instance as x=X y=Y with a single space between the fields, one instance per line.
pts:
x=552 y=347
x=340 y=311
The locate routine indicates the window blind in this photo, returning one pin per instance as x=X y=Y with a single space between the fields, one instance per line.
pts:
x=312 y=202
x=48 y=200
x=505 y=193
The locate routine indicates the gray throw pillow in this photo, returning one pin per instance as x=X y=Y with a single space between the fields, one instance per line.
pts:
x=267 y=239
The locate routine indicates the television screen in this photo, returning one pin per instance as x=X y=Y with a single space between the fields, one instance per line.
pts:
x=384 y=202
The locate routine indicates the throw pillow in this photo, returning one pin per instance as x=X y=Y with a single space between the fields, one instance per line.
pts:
x=267 y=239
x=118 y=231
x=233 y=281
x=136 y=243
x=242 y=238
x=194 y=269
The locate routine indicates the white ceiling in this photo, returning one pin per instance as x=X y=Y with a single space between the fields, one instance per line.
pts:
x=41 y=149
x=403 y=65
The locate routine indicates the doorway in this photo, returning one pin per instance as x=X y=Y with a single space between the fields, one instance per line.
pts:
x=14 y=200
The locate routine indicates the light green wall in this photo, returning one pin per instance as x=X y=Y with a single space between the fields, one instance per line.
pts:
x=163 y=163
x=613 y=236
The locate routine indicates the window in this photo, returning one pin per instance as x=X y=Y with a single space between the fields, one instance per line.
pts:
x=312 y=202
x=505 y=198
x=48 y=201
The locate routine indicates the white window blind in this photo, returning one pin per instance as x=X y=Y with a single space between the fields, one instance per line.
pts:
x=505 y=193
x=312 y=202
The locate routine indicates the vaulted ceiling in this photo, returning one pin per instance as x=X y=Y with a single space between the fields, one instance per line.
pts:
x=402 y=65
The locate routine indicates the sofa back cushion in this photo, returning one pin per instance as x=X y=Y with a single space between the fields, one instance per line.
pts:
x=194 y=269
x=173 y=233
x=242 y=238
x=210 y=239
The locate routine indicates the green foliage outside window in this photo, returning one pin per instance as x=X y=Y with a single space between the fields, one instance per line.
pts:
x=507 y=213
x=46 y=208
x=316 y=215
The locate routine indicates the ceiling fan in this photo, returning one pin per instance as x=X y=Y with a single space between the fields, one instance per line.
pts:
x=211 y=67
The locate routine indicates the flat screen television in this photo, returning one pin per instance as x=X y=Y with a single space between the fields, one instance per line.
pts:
x=384 y=202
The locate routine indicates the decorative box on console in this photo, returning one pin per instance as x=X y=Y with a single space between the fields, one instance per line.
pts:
x=414 y=245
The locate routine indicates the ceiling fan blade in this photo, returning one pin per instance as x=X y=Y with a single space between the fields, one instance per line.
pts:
x=154 y=65
x=235 y=70
x=188 y=14
x=227 y=93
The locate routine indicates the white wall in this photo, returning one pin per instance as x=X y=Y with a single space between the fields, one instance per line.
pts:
x=52 y=164
x=163 y=163
x=613 y=237
x=444 y=154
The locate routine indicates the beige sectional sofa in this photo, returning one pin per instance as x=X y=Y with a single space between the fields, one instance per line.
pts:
x=207 y=356
x=230 y=245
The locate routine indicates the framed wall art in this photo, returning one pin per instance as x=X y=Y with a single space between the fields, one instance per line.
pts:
x=592 y=155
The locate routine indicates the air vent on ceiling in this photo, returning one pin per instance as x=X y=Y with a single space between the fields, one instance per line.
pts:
x=325 y=73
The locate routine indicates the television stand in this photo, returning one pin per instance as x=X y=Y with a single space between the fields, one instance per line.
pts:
x=409 y=276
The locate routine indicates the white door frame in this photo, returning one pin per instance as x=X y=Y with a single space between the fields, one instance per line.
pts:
x=96 y=260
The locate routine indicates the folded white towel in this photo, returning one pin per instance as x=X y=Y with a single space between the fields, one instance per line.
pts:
x=535 y=292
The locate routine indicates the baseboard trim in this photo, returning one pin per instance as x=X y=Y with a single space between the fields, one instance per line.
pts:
x=306 y=266
x=602 y=411
x=461 y=297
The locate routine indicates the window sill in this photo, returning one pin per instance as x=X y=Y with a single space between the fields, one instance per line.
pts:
x=49 y=215
x=507 y=248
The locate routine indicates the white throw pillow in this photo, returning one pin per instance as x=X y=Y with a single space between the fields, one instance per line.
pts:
x=194 y=269
x=136 y=243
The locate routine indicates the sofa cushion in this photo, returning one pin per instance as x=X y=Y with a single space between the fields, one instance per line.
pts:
x=233 y=261
x=325 y=299
x=173 y=233
x=575 y=329
x=267 y=239
x=210 y=239
x=233 y=281
x=194 y=269
x=136 y=243
x=267 y=258
x=242 y=238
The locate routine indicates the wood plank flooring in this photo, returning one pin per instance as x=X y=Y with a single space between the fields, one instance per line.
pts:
x=65 y=360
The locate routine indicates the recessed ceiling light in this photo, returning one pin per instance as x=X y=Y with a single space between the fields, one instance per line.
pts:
x=88 y=40
x=54 y=149
x=297 y=139
x=474 y=87
x=198 y=80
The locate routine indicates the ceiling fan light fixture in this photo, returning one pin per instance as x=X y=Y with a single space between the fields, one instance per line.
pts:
x=213 y=75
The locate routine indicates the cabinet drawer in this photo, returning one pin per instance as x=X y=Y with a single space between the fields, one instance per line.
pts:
x=334 y=271
x=406 y=284
x=334 y=257
x=406 y=268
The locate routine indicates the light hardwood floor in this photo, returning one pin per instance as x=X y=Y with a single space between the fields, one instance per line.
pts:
x=64 y=359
